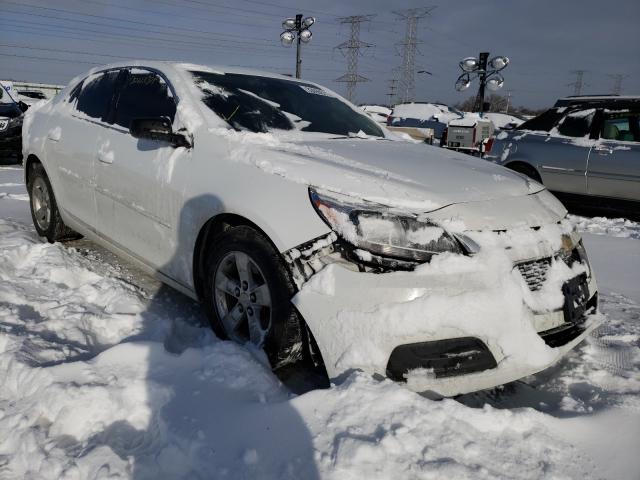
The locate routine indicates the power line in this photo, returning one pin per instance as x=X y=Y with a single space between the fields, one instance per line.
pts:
x=409 y=48
x=352 y=48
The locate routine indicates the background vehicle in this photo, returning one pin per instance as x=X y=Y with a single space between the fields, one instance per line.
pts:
x=11 y=116
x=503 y=121
x=470 y=134
x=31 y=96
x=230 y=185
x=435 y=116
x=584 y=149
x=377 y=112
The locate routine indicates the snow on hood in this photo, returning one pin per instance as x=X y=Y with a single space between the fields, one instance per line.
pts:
x=419 y=178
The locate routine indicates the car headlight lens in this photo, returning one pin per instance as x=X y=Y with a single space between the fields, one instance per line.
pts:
x=381 y=231
x=15 y=122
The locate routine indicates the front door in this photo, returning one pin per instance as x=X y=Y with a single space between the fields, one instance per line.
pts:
x=137 y=196
x=614 y=164
x=562 y=160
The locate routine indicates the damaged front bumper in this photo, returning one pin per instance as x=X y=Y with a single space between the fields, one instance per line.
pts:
x=454 y=328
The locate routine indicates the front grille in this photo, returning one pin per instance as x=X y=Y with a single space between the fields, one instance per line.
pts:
x=535 y=272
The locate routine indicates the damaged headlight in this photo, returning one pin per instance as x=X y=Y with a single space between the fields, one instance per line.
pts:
x=381 y=231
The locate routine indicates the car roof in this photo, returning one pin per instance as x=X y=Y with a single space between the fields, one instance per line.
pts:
x=163 y=66
x=617 y=101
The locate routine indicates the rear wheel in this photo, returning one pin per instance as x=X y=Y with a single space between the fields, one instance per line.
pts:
x=248 y=294
x=527 y=170
x=44 y=209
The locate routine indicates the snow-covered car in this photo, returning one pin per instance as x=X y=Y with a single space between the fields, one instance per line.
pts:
x=31 y=97
x=584 y=149
x=503 y=121
x=308 y=231
x=377 y=112
x=434 y=116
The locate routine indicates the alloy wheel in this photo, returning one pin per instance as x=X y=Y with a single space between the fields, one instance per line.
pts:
x=242 y=298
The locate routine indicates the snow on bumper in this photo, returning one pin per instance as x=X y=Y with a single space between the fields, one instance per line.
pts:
x=358 y=318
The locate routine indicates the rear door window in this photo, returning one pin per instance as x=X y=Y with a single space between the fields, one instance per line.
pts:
x=144 y=95
x=621 y=126
x=577 y=124
x=94 y=99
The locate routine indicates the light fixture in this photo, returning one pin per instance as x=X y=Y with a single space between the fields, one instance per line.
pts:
x=305 y=35
x=469 y=64
x=289 y=24
x=498 y=63
x=287 y=38
x=307 y=22
x=495 y=82
x=463 y=82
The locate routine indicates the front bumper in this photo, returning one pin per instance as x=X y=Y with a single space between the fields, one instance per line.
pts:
x=11 y=140
x=358 y=319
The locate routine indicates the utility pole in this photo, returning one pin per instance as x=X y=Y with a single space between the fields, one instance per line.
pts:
x=617 y=82
x=352 y=48
x=392 y=91
x=579 y=83
x=409 y=46
x=506 y=110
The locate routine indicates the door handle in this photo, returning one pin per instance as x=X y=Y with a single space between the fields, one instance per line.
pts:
x=603 y=150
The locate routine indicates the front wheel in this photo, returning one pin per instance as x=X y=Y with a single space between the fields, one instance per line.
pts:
x=248 y=296
x=44 y=209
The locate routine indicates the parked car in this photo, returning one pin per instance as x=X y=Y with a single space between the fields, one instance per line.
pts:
x=11 y=115
x=31 y=97
x=377 y=112
x=305 y=232
x=504 y=121
x=585 y=149
x=433 y=116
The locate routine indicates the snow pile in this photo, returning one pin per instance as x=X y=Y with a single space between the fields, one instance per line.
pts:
x=612 y=227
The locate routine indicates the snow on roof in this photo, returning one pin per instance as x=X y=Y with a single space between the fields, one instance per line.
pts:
x=424 y=111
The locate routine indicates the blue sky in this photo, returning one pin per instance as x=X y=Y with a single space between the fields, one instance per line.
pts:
x=52 y=41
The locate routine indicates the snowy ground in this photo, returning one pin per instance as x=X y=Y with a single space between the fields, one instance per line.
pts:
x=106 y=374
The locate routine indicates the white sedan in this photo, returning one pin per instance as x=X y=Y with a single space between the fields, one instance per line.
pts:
x=308 y=230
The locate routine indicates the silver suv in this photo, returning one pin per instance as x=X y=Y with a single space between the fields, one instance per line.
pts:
x=584 y=149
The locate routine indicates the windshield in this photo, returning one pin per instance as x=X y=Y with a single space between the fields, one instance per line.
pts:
x=261 y=104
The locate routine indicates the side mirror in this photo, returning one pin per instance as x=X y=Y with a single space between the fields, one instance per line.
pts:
x=23 y=106
x=158 y=129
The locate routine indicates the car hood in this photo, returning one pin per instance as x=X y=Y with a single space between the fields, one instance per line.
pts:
x=417 y=177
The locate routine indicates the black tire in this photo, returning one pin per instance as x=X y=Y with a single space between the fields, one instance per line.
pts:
x=56 y=230
x=283 y=343
x=527 y=170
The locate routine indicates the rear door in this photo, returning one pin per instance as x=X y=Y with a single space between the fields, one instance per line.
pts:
x=614 y=164
x=138 y=200
x=562 y=156
x=71 y=143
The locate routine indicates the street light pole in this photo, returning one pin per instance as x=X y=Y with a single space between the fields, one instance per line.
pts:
x=297 y=29
x=488 y=75
x=298 y=58
x=482 y=80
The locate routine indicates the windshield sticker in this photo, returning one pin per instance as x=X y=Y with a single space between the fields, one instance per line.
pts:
x=315 y=91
